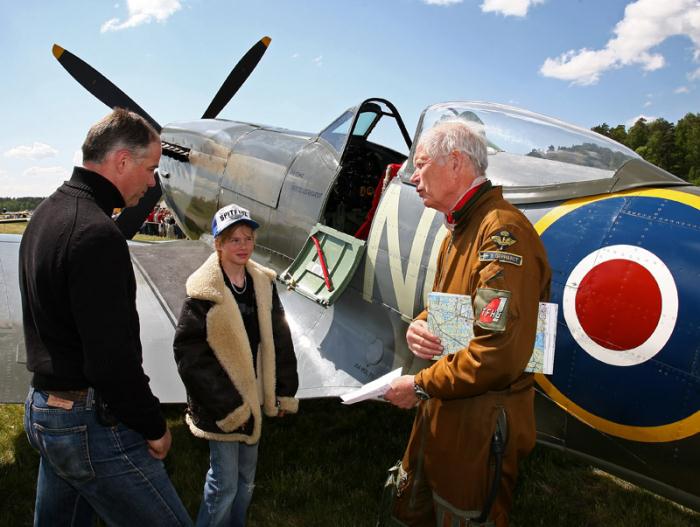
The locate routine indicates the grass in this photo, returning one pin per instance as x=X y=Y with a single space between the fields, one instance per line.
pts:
x=326 y=465
x=150 y=238
x=13 y=228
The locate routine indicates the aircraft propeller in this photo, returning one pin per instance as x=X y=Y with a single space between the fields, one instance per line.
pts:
x=131 y=219
x=99 y=85
x=236 y=78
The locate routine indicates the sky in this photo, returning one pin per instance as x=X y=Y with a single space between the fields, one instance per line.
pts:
x=582 y=61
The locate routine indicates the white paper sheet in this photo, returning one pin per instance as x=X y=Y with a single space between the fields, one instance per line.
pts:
x=372 y=390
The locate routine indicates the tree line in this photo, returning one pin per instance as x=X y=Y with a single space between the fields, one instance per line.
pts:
x=675 y=148
x=17 y=204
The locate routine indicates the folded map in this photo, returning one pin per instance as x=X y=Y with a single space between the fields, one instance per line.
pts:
x=451 y=317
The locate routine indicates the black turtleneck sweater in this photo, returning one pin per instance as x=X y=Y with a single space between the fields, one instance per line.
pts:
x=78 y=290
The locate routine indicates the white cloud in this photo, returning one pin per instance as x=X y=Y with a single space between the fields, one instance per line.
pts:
x=442 y=2
x=295 y=56
x=35 y=151
x=509 y=7
x=646 y=24
x=630 y=122
x=694 y=75
x=647 y=104
x=318 y=61
x=34 y=181
x=681 y=89
x=143 y=12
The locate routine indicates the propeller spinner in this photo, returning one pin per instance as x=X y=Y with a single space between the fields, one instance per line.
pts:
x=131 y=219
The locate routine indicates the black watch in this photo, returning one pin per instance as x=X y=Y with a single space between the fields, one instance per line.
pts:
x=420 y=392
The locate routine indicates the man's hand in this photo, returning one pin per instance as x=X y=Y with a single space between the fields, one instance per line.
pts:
x=422 y=342
x=158 y=448
x=401 y=393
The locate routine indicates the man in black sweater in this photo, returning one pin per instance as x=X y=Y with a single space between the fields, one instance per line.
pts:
x=90 y=411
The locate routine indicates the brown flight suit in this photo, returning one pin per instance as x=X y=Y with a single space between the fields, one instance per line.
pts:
x=448 y=454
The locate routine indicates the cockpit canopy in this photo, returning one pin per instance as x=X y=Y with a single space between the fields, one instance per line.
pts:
x=374 y=117
x=535 y=157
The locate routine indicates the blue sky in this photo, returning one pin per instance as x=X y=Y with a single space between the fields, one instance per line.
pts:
x=582 y=61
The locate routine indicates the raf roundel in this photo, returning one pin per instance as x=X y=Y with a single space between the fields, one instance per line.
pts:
x=620 y=304
x=623 y=271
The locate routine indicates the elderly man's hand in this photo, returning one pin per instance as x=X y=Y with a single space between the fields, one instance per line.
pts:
x=422 y=342
x=401 y=393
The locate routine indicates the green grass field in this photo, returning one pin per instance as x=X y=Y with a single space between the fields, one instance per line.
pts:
x=13 y=228
x=326 y=466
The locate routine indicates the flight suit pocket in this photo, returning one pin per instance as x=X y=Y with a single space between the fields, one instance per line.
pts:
x=492 y=276
x=66 y=450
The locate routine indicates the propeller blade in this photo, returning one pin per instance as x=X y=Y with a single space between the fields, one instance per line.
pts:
x=236 y=78
x=131 y=219
x=99 y=85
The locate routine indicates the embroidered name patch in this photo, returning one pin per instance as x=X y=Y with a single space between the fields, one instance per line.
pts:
x=499 y=256
x=491 y=309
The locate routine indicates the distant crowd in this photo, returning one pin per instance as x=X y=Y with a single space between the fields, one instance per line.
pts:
x=160 y=222
x=13 y=215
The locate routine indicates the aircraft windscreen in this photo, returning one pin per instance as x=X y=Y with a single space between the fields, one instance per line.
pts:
x=528 y=149
x=338 y=130
x=364 y=121
x=336 y=133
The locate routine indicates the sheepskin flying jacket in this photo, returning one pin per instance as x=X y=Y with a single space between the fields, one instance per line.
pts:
x=215 y=361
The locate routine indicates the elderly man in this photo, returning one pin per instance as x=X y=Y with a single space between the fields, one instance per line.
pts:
x=475 y=417
x=90 y=412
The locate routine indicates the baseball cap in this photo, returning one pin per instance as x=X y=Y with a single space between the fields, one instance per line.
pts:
x=230 y=215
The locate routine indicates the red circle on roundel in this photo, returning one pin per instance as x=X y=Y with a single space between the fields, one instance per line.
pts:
x=618 y=304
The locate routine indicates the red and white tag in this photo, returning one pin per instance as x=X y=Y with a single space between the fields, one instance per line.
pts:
x=493 y=311
x=57 y=402
x=491 y=308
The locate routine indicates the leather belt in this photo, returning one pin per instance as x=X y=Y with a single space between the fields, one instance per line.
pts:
x=77 y=396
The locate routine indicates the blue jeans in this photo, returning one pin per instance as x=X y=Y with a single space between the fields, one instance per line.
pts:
x=229 y=484
x=87 y=468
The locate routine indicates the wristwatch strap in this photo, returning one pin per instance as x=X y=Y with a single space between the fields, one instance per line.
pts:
x=420 y=392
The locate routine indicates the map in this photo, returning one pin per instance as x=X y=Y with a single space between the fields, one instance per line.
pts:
x=451 y=317
x=542 y=359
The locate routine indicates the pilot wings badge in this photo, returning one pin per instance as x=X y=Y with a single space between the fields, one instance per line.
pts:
x=503 y=239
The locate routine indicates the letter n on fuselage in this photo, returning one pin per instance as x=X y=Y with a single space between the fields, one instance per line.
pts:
x=404 y=285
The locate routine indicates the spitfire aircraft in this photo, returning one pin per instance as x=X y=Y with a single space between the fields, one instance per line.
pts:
x=355 y=250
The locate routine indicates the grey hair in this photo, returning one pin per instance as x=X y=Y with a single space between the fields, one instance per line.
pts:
x=120 y=129
x=457 y=135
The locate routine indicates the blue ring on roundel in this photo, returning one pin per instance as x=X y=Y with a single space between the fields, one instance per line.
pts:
x=665 y=388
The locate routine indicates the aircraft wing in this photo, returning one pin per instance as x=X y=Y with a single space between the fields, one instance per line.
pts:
x=157 y=326
x=14 y=377
x=161 y=270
